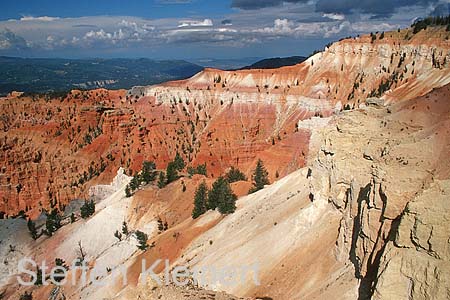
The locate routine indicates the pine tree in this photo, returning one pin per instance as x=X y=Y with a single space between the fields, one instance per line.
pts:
x=148 y=173
x=200 y=200
x=142 y=239
x=128 y=193
x=38 y=280
x=118 y=235
x=222 y=197
x=171 y=172
x=135 y=182
x=26 y=296
x=88 y=209
x=162 y=180
x=125 y=228
x=32 y=229
x=234 y=174
x=160 y=225
x=178 y=162
x=72 y=218
x=260 y=177
x=59 y=274
x=200 y=169
x=53 y=222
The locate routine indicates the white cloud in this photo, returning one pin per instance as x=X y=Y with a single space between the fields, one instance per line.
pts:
x=191 y=23
x=249 y=27
x=43 y=18
x=98 y=35
x=141 y=28
x=337 y=17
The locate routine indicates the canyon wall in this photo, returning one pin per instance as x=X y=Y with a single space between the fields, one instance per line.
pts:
x=53 y=149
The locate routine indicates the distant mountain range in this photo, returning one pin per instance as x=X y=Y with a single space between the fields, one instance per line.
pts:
x=277 y=62
x=53 y=74
x=44 y=75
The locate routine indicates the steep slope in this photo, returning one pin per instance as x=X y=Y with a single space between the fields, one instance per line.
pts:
x=369 y=207
x=364 y=168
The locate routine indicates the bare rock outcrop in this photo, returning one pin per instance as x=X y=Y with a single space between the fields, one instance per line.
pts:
x=416 y=263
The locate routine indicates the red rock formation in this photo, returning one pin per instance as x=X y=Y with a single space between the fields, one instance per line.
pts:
x=52 y=150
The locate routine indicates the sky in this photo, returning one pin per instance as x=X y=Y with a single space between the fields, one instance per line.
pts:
x=195 y=29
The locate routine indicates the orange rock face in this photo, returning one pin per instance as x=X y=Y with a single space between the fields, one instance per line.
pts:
x=53 y=150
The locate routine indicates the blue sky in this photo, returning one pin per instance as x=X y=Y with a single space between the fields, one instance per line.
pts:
x=192 y=29
x=137 y=8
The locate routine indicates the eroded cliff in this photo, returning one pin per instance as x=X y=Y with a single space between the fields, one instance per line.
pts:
x=54 y=148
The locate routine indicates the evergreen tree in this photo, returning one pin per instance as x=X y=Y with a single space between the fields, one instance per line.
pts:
x=171 y=172
x=234 y=174
x=128 y=193
x=160 y=225
x=135 y=182
x=32 y=229
x=88 y=209
x=200 y=169
x=59 y=262
x=53 y=222
x=125 y=228
x=260 y=177
x=72 y=218
x=179 y=162
x=118 y=235
x=38 y=280
x=148 y=173
x=142 y=239
x=162 y=180
x=200 y=200
x=222 y=197
x=26 y=296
